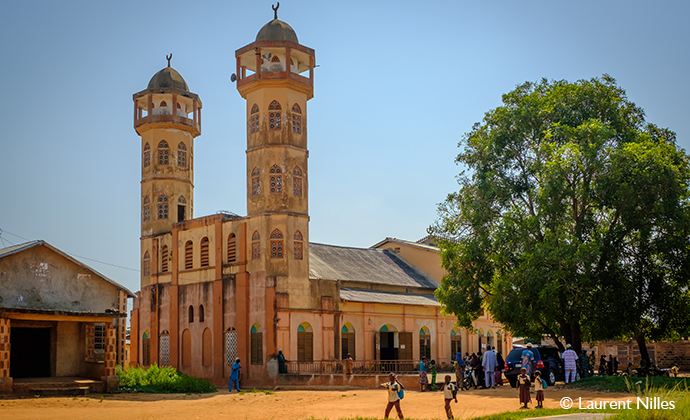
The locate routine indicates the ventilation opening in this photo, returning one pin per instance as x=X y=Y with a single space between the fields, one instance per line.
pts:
x=180 y=213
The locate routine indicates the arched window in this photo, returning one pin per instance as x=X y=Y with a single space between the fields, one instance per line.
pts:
x=424 y=343
x=146 y=157
x=480 y=333
x=186 y=348
x=162 y=207
x=499 y=342
x=275 y=59
x=146 y=210
x=232 y=249
x=181 y=155
x=164 y=259
x=256 y=345
x=276 y=179
x=190 y=314
x=201 y=313
x=455 y=343
x=297 y=181
x=204 y=252
x=206 y=347
x=163 y=151
x=348 y=341
x=489 y=340
x=276 y=244
x=147 y=264
x=296 y=119
x=146 y=348
x=256 y=246
x=254 y=119
x=297 y=240
x=188 y=255
x=274 y=115
x=163 y=104
x=305 y=343
x=181 y=206
x=256 y=185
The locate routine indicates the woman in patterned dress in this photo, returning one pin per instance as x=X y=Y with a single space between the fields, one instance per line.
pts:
x=423 y=381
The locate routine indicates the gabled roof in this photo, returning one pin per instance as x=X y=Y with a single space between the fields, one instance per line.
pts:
x=11 y=250
x=365 y=265
x=404 y=242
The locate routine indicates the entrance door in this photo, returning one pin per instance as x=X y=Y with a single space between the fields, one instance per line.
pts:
x=30 y=356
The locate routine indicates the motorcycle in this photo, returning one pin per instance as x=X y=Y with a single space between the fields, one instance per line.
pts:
x=470 y=378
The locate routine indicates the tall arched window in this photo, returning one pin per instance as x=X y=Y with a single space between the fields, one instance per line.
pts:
x=162 y=207
x=347 y=334
x=186 y=348
x=256 y=246
x=296 y=119
x=146 y=157
x=274 y=115
x=181 y=207
x=146 y=210
x=206 y=347
x=254 y=119
x=305 y=343
x=147 y=264
x=276 y=179
x=257 y=345
x=163 y=152
x=164 y=259
x=181 y=155
x=204 y=252
x=190 y=314
x=232 y=249
x=455 y=343
x=297 y=181
x=424 y=343
x=201 y=313
x=256 y=185
x=188 y=255
x=480 y=333
x=297 y=240
x=276 y=244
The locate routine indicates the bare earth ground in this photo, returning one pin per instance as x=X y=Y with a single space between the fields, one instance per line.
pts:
x=282 y=405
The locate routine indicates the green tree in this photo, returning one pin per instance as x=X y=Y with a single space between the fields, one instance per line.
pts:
x=542 y=232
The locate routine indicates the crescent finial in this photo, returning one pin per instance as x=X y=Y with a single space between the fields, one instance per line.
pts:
x=169 y=57
x=275 y=10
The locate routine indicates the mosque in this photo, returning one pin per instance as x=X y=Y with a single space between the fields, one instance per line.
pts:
x=218 y=287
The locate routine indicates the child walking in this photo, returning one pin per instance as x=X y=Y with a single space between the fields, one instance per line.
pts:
x=393 y=386
x=523 y=386
x=539 y=385
x=450 y=392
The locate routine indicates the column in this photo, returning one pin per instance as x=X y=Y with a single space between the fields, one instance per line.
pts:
x=5 y=380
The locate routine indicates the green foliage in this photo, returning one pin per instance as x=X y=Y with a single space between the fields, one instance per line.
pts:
x=158 y=380
x=572 y=219
x=630 y=384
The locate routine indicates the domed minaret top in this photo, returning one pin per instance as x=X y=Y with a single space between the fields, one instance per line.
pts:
x=275 y=57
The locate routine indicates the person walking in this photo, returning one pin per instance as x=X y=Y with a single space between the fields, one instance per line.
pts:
x=539 y=385
x=450 y=392
x=489 y=364
x=423 y=380
x=602 y=365
x=394 y=387
x=570 y=362
x=583 y=363
x=528 y=359
x=235 y=374
x=282 y=366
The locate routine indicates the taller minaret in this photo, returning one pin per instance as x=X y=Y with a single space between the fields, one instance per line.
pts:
x=162 y=119
x=275 y=76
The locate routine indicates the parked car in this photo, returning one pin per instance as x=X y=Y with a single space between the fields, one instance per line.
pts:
x=546 y=358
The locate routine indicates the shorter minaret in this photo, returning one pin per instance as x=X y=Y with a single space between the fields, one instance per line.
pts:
x=162 y=119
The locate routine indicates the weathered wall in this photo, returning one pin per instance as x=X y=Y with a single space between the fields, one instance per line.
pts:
x=69 y=358
x=39 y=278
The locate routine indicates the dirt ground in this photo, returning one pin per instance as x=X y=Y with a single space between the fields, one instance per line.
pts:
x=281 y=405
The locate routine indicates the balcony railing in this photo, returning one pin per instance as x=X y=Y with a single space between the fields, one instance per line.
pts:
x=359 y=367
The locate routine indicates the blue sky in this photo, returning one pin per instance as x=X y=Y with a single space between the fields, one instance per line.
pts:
x=398 y=84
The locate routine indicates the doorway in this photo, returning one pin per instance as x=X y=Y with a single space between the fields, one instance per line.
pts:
x=30 y=356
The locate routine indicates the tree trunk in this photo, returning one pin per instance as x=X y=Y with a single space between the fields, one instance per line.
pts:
x=566 y=329
x=557 y=340
x=642 y=344
x=576 y=337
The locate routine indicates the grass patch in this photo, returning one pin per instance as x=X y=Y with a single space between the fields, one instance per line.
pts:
x=157 y=380
x=620 y=383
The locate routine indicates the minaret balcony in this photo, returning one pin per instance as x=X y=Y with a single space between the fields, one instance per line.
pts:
x=193 y=126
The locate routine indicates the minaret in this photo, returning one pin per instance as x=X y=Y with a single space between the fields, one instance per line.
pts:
x=275 y=74
x=162 y=119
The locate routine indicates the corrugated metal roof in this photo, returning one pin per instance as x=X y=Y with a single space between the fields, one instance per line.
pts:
x=366 y=265
x=404 y=242
x=4 y=252
x=381 y=297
